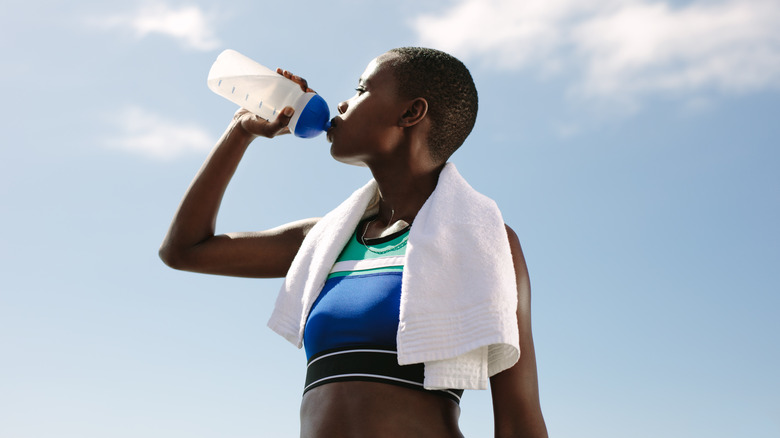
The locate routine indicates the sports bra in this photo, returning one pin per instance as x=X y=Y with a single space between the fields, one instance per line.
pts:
x=351 y=330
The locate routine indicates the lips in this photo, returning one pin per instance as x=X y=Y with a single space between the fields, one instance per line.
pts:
x=329 y=134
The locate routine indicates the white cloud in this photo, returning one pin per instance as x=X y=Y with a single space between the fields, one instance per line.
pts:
x=507 y=33
x=190 y=25
x=145 y=133
x=619 y=49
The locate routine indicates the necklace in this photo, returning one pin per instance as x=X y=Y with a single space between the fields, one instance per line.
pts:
x=398 y=245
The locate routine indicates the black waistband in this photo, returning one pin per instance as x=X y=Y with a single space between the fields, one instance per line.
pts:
x=368 y=364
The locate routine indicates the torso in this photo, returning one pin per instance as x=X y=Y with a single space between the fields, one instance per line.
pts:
x=351 y=408
x=377 y=410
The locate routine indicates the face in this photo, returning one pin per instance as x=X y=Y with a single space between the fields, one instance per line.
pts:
x=367 y=125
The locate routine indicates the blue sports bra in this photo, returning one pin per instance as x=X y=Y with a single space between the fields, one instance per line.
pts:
x=351 y=329
x=360 y=302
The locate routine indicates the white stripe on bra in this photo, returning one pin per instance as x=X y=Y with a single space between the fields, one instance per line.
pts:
x=362 y=265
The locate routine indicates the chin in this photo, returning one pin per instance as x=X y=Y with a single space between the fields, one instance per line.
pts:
x=346 y=159
x=357 y=163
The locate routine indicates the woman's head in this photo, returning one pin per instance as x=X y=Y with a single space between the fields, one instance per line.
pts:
x=446 y=84
x=407 y=94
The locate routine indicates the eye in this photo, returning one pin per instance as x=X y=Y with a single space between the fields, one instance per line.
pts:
x=360 y=90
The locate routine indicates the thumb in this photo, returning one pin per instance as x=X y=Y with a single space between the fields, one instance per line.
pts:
x=279 y=124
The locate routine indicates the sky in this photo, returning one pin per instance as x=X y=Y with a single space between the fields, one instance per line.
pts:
x=629 y=143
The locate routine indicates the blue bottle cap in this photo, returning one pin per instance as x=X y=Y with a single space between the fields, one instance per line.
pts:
x=314 y=118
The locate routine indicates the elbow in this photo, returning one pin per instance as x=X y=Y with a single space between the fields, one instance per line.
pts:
x=171 y=257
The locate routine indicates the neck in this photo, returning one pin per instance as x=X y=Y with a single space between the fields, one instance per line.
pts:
x=406 y=176
x=403 y=190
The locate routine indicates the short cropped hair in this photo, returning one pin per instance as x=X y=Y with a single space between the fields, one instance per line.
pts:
x=445 y=82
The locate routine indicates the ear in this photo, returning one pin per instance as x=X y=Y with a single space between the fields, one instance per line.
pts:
x=414 y=113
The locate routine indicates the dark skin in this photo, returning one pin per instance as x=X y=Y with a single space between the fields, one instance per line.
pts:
x=377 y=129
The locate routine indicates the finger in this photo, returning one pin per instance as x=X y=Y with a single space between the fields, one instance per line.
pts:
x=304 y=84
x=300 y=81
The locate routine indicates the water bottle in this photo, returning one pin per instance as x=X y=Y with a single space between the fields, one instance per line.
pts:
x=264 y=92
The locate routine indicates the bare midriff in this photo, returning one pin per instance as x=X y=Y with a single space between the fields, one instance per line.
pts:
x=377 y=410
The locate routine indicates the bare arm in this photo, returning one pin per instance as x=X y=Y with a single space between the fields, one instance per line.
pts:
x=515 y=391
x=191 y=244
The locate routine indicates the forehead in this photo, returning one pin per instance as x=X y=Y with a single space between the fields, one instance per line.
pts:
x=379 y=69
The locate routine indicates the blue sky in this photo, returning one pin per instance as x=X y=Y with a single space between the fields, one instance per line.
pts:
x=632 y=144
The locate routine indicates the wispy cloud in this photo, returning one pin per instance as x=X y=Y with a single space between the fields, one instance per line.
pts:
x=190 y=25
x=142 y=132
x=619 y=49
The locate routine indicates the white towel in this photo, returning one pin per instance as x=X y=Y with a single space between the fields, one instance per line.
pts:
x=458 y=293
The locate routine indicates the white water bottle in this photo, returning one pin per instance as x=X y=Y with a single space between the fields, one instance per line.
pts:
x=264 y=92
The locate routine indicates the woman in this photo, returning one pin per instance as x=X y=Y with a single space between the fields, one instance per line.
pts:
x=413 y=108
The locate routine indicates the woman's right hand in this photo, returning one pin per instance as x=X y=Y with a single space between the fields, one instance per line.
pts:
x=258 y=126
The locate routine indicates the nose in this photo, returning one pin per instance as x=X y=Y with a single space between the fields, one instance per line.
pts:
x=342 y=107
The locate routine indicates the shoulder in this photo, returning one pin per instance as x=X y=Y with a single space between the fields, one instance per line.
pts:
x=518 y=258
x=514 y=242
x=512 y=236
